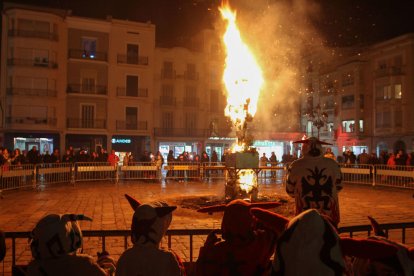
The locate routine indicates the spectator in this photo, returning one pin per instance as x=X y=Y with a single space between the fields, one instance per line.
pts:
x=363 y=158
x=349 y=157
x=263 y=160
x=113 y=158
x=18 y=158
x=384 y=157
x=401 y=158
x=55 y=242
x=314 y=181
x=55 y=157
x=246 y=247
x=214 y=157
x=170 y=160
x=149 y=225
x=329 y=154
x=373 y=159
x=33 y=156
x=68 y=157
x=273 y=163
x=46 y=157
x=309 y=244
x=205 y=160
x=391 y=161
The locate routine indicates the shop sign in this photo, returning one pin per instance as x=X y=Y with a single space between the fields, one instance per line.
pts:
x=121 y=141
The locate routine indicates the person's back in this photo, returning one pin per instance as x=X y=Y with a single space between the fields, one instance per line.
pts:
x=314 y=182
x=78 y=264
x=136 y=261
x=363 y=158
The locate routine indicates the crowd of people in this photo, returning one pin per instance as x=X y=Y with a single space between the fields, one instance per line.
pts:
x=385 y=158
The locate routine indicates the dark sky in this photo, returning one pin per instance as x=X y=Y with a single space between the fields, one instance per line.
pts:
x=342 y=22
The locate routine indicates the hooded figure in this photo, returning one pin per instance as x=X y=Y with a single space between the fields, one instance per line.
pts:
x=149 y=225
x=401 y=263
x=55 y=242
x=310 y=245
x=314 y=181
x=245 y=249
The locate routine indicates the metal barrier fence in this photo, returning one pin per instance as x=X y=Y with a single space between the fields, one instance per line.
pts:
x=400 y=232
x=30 y=176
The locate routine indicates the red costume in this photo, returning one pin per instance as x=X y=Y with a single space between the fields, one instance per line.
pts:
x=245 y=249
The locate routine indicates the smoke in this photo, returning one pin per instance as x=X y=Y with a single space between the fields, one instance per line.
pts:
x=279 y=33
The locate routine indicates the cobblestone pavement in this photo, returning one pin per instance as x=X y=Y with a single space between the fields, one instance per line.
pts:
x=106 y=205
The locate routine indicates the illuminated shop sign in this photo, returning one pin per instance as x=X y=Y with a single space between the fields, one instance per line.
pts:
x=121 y=141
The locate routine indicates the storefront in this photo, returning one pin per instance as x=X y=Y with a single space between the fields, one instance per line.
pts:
x=87 y=142
x=131 y=144
x=269 y=146
x=219 y=145
x=192 y=147
x=44 y=142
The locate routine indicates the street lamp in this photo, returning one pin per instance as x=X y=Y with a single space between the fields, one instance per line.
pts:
x=317 y=117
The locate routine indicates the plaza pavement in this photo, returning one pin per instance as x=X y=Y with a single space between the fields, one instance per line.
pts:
x=105 y=203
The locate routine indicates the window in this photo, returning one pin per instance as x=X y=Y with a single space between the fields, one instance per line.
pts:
x=132 y=86
x=167 y=70
x=383 y=92
x=88 y=85
x=167 y=121
x=361 y=101
x=348 y=101
x=190 y=120
x=167 y=91
x=398 y=118
x=309 y=127
x=348 y=126
x=191 y=71
x=397 y=91
x=88 y=47
x=383 y=119
x=329 y=126
x=131 y=117
x=87 y=116
x=361 y=125
x=132 y=53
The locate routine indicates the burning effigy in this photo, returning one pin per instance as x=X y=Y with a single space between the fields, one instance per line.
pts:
x=243 y=80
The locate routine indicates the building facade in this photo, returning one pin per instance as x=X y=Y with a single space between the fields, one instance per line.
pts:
x=363 y=97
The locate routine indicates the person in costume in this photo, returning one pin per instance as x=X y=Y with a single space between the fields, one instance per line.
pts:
x=401 y=263
x=149 y=225
x=314 y=181
x=245 y=247
x=55 y=242
x=309 y=244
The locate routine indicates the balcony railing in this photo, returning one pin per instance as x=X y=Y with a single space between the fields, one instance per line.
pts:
x=81 y=54
x=168 y=101
x=31 y=120
x=188 y=75
x=33 y=34
x=191 y=102
x=181 y=132
x=140 y=92
x=86 y=89
x=32 y=62
x=82 y=123
x=128 y=59
x=14 y=91
x=167 y=74
x=123 y=125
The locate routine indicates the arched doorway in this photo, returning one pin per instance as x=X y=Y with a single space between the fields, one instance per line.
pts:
x=382 y=147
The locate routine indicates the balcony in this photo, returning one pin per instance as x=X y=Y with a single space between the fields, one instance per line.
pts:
x=134 y=60
x=83 y=123
x=44 y=63
x=33 y=34
x=81 y=54
x=15 y=91
x=191 y=102
x=140 y=92
x=123 y=125
x=167 y=74
x=31 y=121
x=389 y=71
x=168 y=101
x=189 y=75
x=86 y=89
x=181 y=132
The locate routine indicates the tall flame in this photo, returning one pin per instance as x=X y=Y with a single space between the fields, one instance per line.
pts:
x=242 y=75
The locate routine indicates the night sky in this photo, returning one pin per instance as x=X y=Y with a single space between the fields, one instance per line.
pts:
x=341 y=22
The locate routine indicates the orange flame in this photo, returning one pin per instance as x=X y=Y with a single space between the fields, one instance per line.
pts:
x=242 y=75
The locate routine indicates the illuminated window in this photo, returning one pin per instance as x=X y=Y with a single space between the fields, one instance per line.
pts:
x=361 y=125
x=88 y=47
x=348 y=126
x=397 y=91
